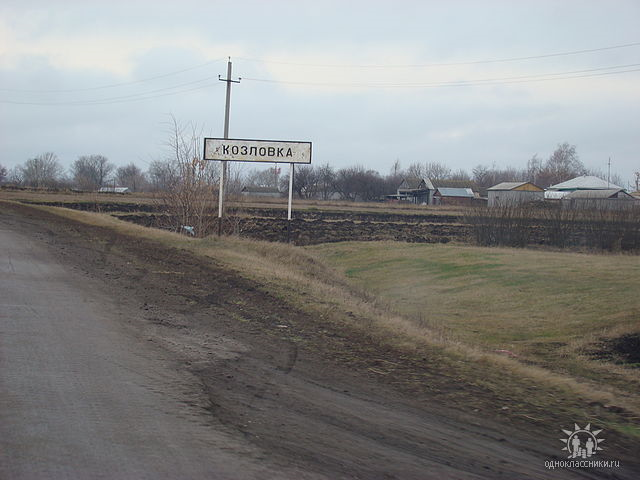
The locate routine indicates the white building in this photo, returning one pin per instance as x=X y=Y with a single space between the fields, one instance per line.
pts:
x=583 y=182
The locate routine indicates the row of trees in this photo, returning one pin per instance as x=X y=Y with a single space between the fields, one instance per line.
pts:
x=88 y=172
x=91 y=172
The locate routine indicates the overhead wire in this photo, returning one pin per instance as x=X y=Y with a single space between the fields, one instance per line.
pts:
x=156 y=93
x=476 y=82
x=445 y=64
x=114 y=85
x=121 y=99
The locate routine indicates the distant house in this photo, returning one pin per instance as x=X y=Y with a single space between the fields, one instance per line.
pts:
x=254 y=191
x=514 y=193
x=414 y=190
x=113 y=190
x=607 y=199
x=453 y=196
x=581 y=183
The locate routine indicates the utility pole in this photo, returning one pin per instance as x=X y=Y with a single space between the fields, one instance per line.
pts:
x=609 y=173
x=226 y=135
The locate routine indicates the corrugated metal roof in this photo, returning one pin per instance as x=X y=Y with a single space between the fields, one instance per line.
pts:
x=585 y=182
x=455 y=192
x=600 y=194
x=507 y=185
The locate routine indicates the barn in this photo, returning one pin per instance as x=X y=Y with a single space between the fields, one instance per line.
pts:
x=453 y=196
x=514 y=193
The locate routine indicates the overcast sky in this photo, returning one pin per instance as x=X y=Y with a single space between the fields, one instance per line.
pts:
x=458 y=82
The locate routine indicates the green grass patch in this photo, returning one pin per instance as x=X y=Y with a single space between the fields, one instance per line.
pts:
x=543 y=306
x=496 y=297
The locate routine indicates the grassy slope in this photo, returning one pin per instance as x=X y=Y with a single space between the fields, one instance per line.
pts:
x=545 y=307
x=305 y=280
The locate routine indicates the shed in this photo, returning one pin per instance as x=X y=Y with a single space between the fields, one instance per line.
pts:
x=609 y=199
x=514 y=193
x=453 y=196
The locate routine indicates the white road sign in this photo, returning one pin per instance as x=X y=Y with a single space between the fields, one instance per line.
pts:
x=272 y=151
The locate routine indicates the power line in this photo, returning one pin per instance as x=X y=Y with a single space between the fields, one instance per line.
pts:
x=476 y=82
x=113 y=85
x=160 y=92
x=122 y=99
x=446 y=64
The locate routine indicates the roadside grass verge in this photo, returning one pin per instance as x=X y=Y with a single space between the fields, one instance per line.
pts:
x=327 y=282
x=546 y=309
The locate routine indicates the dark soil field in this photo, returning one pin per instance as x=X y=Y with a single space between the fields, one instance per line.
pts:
x=360 y=222
x=307 y=228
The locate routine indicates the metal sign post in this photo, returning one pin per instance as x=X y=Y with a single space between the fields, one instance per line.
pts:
x=290 y=189
x=291 y=166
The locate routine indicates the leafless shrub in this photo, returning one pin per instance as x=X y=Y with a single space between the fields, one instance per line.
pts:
x=505 y=225
x=190 y=197
x=599 y=227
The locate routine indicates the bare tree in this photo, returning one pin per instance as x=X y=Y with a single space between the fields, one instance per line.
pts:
x=416 y=170
x=3 y=173
x=396 y=169
x=268 y=178
x=90 y=172
x=430 y=170
x=460 y=175
x=42 y=171
x=305 y=181
x=190 y=198
x=437 y=171
x=234 y=180
x=358 y=183
x=132 y=177
x=395 y=177
x=482 y=176
x=562 y=165
x=485 y=177
x=326 y=181
x=534 y=169
x=14 y=176
x=161 y=174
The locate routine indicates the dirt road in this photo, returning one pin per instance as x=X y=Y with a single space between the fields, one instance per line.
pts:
x=122 y=359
